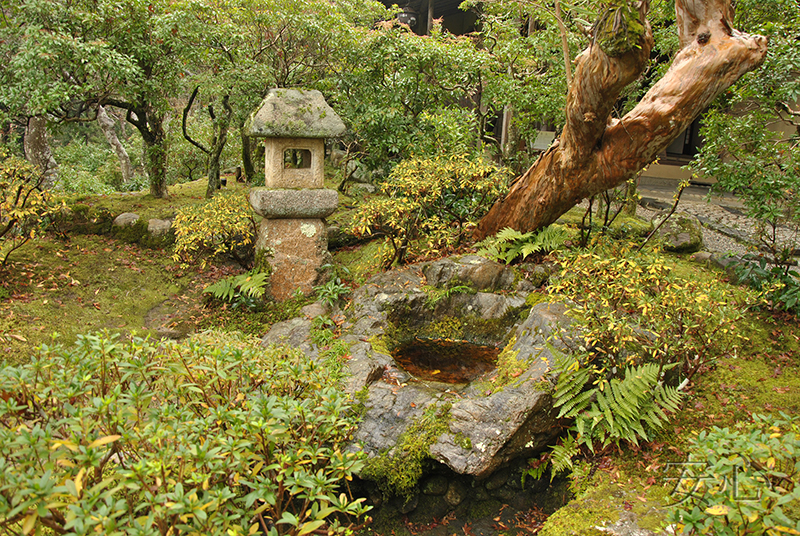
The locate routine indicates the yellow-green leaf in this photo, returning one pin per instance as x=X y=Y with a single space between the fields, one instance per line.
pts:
x=310 y=526
x=103 y=441
x=786 y=530
x=718 y=510
x=30 y=523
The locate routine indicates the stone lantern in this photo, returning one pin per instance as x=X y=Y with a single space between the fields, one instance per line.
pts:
x=294 y=201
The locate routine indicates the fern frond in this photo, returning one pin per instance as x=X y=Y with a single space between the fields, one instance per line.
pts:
x=224 y=289
x=561 y=456
x=570 y=383
x=252 y=284
x=575 y=406
x=552 y=237
x=605 y=407
x=529 y=248
x=507 y=234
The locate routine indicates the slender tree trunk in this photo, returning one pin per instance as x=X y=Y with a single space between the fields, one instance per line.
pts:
x=217 y=145
x=107 y=126
x=151 y=127
x=596 y=152
x=155 y=153
x=149 y=121
x=37 y=150
x=247 y=158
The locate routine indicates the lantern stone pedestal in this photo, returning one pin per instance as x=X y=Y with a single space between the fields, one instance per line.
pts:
x=294 y=203
x=293 y=236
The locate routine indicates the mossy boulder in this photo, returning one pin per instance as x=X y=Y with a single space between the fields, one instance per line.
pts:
x=84 y=219
x=680 y=233
x=607 y=505
x=153 y=233
x=491 y=420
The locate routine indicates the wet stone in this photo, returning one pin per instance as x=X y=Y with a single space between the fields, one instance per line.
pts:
x=498 y=479
x=436 y=485
x=456 y=493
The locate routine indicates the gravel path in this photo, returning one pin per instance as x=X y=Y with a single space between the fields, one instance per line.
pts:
x=715 y=219
x=725 y=229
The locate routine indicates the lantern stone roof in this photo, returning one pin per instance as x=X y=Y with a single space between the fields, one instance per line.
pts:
x=294 y=113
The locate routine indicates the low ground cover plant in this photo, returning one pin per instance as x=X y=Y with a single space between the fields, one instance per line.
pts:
x=740 y=480
x=242 y=290
x=212 y=436
x=778 y=286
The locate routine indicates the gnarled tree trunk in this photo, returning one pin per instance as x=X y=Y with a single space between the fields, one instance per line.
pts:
x=595 y=151
x=218 y=141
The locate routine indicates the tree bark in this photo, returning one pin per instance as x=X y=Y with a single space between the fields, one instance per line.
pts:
x=37 y=150
x=150 y=124
x=155 y=153
x=247 y=158
x=218 y=144
x=595 y=151
x=107 y=126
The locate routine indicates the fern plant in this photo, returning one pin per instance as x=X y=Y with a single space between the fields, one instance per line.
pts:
x=509 y=244
x=436 y=295
x=242 y=290
x=610 y=408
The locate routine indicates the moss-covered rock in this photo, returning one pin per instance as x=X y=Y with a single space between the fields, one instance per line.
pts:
x=85 y=219
x=680 y=233
x=615 y=506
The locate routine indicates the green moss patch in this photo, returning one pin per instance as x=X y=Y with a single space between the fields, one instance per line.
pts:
x=599 y=503
x=363 y=261
x=87 y=283
x=398 y=472
x=144 y=204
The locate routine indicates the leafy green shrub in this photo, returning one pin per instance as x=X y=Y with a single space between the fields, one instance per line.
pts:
x=23 y=204
x=82 y=182
x=509 y=244
x=777 y=285
x=633 y=308
x=223 y=225
x=91 y=168
x=429 y=204
x=741 y=481
x=210 y=436
x=751 y=155
x=399 y=95
x=639 y=327
x=240 y=290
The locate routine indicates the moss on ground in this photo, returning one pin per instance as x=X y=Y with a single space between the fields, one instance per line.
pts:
x=363 y=261
x=144 y=204
x=622 y=227
x=256 y=322
x=600 y=500
x=87 y=283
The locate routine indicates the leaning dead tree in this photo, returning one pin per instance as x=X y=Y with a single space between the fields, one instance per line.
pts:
x=596 y=152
